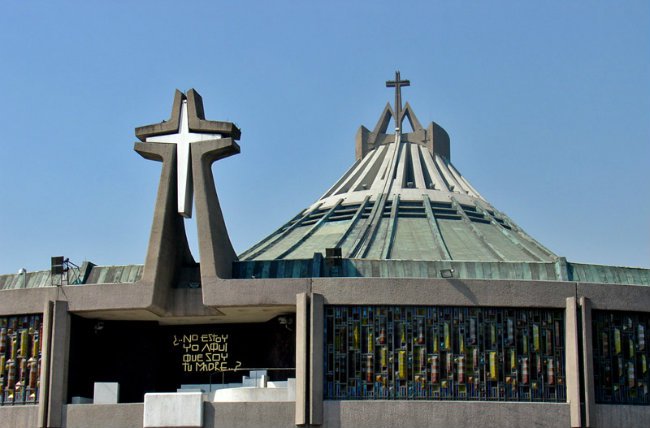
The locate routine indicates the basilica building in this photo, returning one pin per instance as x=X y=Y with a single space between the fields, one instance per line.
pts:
x=400 y=297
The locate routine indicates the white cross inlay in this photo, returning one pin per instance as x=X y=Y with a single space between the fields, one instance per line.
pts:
x=183 y=139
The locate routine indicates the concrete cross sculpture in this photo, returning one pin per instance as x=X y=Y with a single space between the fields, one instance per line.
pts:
x=183 y=138
x=178 y=130
x=187 y=144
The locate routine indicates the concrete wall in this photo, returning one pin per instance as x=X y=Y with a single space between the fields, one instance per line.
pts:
x=394 y=291
x=419 y=414
x=21 y=302
x=246 y=415
x=616 y=297
x=337 y=414
x=216 y=415
x=347 y=413
x=615 y=415
x=455 y=292
x=103 y=415
x=19 y=416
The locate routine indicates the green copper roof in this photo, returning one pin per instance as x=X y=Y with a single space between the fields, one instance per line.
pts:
x=87 y=274
x=402 y=199
x=321 y=267
x=559 y=270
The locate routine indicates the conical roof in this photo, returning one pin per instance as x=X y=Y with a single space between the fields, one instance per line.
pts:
x=402 y=199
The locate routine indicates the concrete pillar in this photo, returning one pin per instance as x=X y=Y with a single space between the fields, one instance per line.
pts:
x=588 y=363
x=215 y=249
x=361 y=142
x=58 y=376
x=46 y=344
x=572 y=363
x=316 y=331
x=302 y=357
x=168 y=248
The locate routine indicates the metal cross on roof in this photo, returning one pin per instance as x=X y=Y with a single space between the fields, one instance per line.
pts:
x=397 y=84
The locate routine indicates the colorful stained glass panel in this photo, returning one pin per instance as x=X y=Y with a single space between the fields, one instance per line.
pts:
x=444 y=353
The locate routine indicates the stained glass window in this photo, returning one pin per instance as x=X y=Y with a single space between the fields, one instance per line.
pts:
x=444 y=353
x=20 y=359
x=620 y=357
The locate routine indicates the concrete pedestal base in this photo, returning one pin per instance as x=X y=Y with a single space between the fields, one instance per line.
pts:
x=183 y=409
x=106 y=393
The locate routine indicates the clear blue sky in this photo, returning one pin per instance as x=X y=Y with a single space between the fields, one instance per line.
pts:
x=547 y=106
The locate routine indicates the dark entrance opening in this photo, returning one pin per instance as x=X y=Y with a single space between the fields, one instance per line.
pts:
x=147 y=357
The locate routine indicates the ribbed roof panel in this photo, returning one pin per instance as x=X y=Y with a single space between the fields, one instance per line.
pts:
x=402 y=200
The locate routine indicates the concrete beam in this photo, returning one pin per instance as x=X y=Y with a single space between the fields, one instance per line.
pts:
x=572 y=364
x=316 y=331
x=614 y=297
x=25 y=301
x=59 y=355
x=455 y=292
x=588 y=364
x=251 y=292
x=302 y=358
x=46 y=349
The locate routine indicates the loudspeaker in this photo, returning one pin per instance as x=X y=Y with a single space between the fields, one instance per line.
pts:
x=57 y=265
